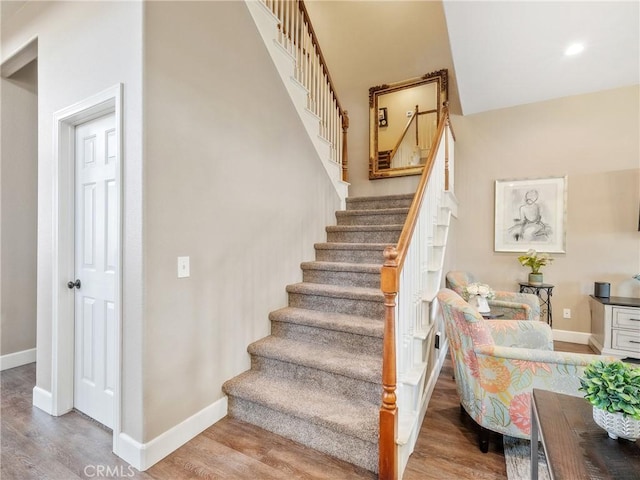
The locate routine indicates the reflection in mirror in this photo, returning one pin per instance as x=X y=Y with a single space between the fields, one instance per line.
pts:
x=404 y=118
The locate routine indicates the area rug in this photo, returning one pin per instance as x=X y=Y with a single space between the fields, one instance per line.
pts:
x=517 y=454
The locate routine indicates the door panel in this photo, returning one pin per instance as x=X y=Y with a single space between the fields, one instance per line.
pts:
x=96 y=260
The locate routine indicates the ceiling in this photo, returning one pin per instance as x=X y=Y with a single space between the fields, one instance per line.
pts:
x=511 y=52
x=508 y=53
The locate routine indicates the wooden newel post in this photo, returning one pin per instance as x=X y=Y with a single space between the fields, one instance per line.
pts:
x=345 y=156
x=388 y=461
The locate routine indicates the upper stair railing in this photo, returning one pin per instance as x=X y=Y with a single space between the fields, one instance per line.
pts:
x=406 y=284
x=296 y=36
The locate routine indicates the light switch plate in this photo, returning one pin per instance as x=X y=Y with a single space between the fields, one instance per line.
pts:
x=183 y=267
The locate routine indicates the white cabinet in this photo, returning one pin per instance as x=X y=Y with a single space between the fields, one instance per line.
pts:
x=615 y=326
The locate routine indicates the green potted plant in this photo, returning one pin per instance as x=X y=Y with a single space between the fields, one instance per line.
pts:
x=613 y=388
x=535 y=261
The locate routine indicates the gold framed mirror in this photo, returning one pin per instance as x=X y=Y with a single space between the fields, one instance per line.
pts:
x=403 y=120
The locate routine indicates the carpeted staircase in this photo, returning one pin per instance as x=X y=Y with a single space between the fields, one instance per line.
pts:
x=317 y=378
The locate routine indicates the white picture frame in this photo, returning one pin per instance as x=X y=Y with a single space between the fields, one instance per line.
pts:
x=531 y=214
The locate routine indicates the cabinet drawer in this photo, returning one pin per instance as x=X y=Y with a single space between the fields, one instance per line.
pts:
x=626 y=340
x=628 y=318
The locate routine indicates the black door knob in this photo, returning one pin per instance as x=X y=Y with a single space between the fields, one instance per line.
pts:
x=75 y=284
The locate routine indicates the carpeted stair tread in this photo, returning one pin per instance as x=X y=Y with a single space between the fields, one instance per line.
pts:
x=334 y=272
x=374 y=211
x=364 y=228
x=342 y=267
x=350 y=246
x=340 y=322
x=343 y=414
x=356 y=203
x=327 y=358
x=364 y=233
x=336 y=291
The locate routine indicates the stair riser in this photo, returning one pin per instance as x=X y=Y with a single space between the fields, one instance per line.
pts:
x=322 y=380
x=389 y=236
x=347 y=279
x=350 y=256
x=306 y=333
x=347 y=218
x=340 y=445
x=381 y=203
x=363 y=308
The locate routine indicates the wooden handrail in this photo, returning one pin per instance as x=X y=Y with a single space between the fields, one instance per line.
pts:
x=412 y=216
x=314 y=39
x=299 y=38
x=404 y=132
x=344 y=116
x=389 y=284
x=415 y=117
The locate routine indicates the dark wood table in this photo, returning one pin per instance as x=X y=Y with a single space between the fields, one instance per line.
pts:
x=577 y=448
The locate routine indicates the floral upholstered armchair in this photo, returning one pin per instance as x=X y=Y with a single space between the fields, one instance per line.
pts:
x=512 y=305
x=497 y=363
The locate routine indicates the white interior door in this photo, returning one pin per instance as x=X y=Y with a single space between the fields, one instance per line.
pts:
x=96 y=267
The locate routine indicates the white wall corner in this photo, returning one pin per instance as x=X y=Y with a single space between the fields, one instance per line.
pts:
x=144 y=455
x=16 y=60
x=43 y=400
x=17 y=359
x=581 y=338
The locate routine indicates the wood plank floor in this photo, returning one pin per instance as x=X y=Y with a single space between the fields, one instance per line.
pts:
x=35 y=445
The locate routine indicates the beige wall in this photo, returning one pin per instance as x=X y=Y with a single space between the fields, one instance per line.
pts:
x=594 y=139
x=84 y=48
x=369 y=43
x=233 y=182
x=19 y=157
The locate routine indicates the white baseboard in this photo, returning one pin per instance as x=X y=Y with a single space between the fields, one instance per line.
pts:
x=17 y=359
x=581 y=338
x=144 y=455
x=43 y=400
x=596 y=344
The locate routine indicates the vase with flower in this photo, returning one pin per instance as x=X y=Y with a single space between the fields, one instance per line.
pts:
x=535 y=261
x=477 y=295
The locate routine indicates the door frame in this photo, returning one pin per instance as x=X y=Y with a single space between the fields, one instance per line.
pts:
x=63 y=236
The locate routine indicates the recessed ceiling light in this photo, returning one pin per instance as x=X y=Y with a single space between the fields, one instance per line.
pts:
x=574 y=49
